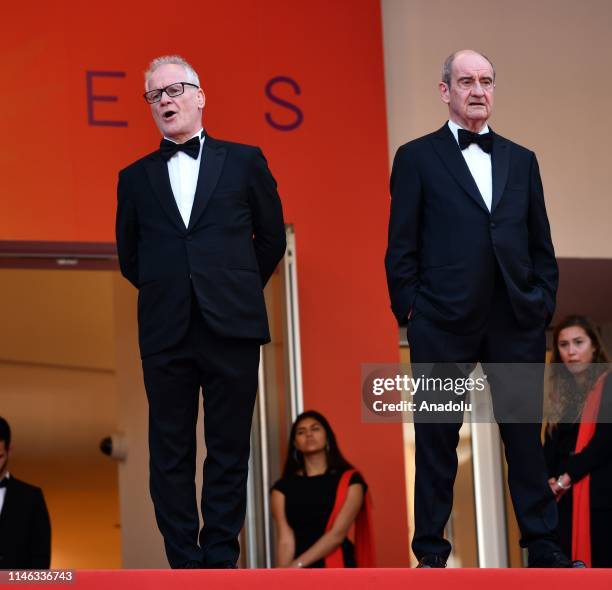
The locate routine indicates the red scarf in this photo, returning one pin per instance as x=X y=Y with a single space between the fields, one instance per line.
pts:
x=364 y=541
x=581 y=501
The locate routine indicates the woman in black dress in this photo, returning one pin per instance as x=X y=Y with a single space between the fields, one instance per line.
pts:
x=305 y=497
x=578 y=441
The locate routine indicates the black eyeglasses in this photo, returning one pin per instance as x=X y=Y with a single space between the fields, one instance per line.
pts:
x=173 y=90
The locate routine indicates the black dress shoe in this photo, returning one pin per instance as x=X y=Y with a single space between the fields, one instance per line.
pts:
x=432 y=561
x=223 y=565
x=192 y=565
x=556 y=559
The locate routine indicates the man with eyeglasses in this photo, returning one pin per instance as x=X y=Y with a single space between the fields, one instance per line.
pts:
x=199 y=232
x=472 y=272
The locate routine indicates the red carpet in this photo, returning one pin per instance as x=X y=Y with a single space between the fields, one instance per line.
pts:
x=387 y=579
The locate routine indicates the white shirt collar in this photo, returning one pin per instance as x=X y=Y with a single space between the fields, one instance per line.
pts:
x=455 y=129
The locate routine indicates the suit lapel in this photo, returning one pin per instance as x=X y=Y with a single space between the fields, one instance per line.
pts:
x=211 y=165
x=500 y=163
x=157 y=171
x=447 y=148
x=6 y=508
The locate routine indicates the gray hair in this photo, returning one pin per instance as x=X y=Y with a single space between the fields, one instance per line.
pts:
x=447 y=67
x=190 y=74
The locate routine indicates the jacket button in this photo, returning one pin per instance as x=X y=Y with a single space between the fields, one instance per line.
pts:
x=492 y=224
x=189 y=238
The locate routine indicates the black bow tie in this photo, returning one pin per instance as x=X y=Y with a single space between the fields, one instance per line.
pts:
x=3 y=482
x=168 y=148
x=485 y=141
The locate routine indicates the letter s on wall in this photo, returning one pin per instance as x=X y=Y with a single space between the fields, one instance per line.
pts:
x=299 y=115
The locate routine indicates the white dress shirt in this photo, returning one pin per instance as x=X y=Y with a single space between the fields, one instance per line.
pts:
x=3 y=494
x=479 y=163
x=183 y=171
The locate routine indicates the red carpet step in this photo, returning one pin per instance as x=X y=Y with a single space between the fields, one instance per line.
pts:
x=333 y=579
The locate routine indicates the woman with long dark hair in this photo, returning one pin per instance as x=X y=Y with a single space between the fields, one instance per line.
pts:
x=317 y=500
x=578 y=441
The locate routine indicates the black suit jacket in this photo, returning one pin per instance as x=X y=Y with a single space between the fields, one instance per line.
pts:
x=594 y=460
x=25 y=530
x=444 y=243
x=235 y=239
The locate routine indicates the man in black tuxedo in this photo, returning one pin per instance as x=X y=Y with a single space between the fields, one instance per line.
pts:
x=199 y=232
x=471 y=269
x=25 y=530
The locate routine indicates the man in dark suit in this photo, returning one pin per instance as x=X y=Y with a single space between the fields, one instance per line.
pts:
x=25 y=530
x=199 y=232
x=471 y=269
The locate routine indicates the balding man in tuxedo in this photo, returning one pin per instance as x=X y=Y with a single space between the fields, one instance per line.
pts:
x=471 y=269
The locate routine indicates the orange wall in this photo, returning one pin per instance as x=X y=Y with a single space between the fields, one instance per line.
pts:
x=59 y=173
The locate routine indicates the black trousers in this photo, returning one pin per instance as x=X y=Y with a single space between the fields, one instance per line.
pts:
x=499 y=340
x=226 y=370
